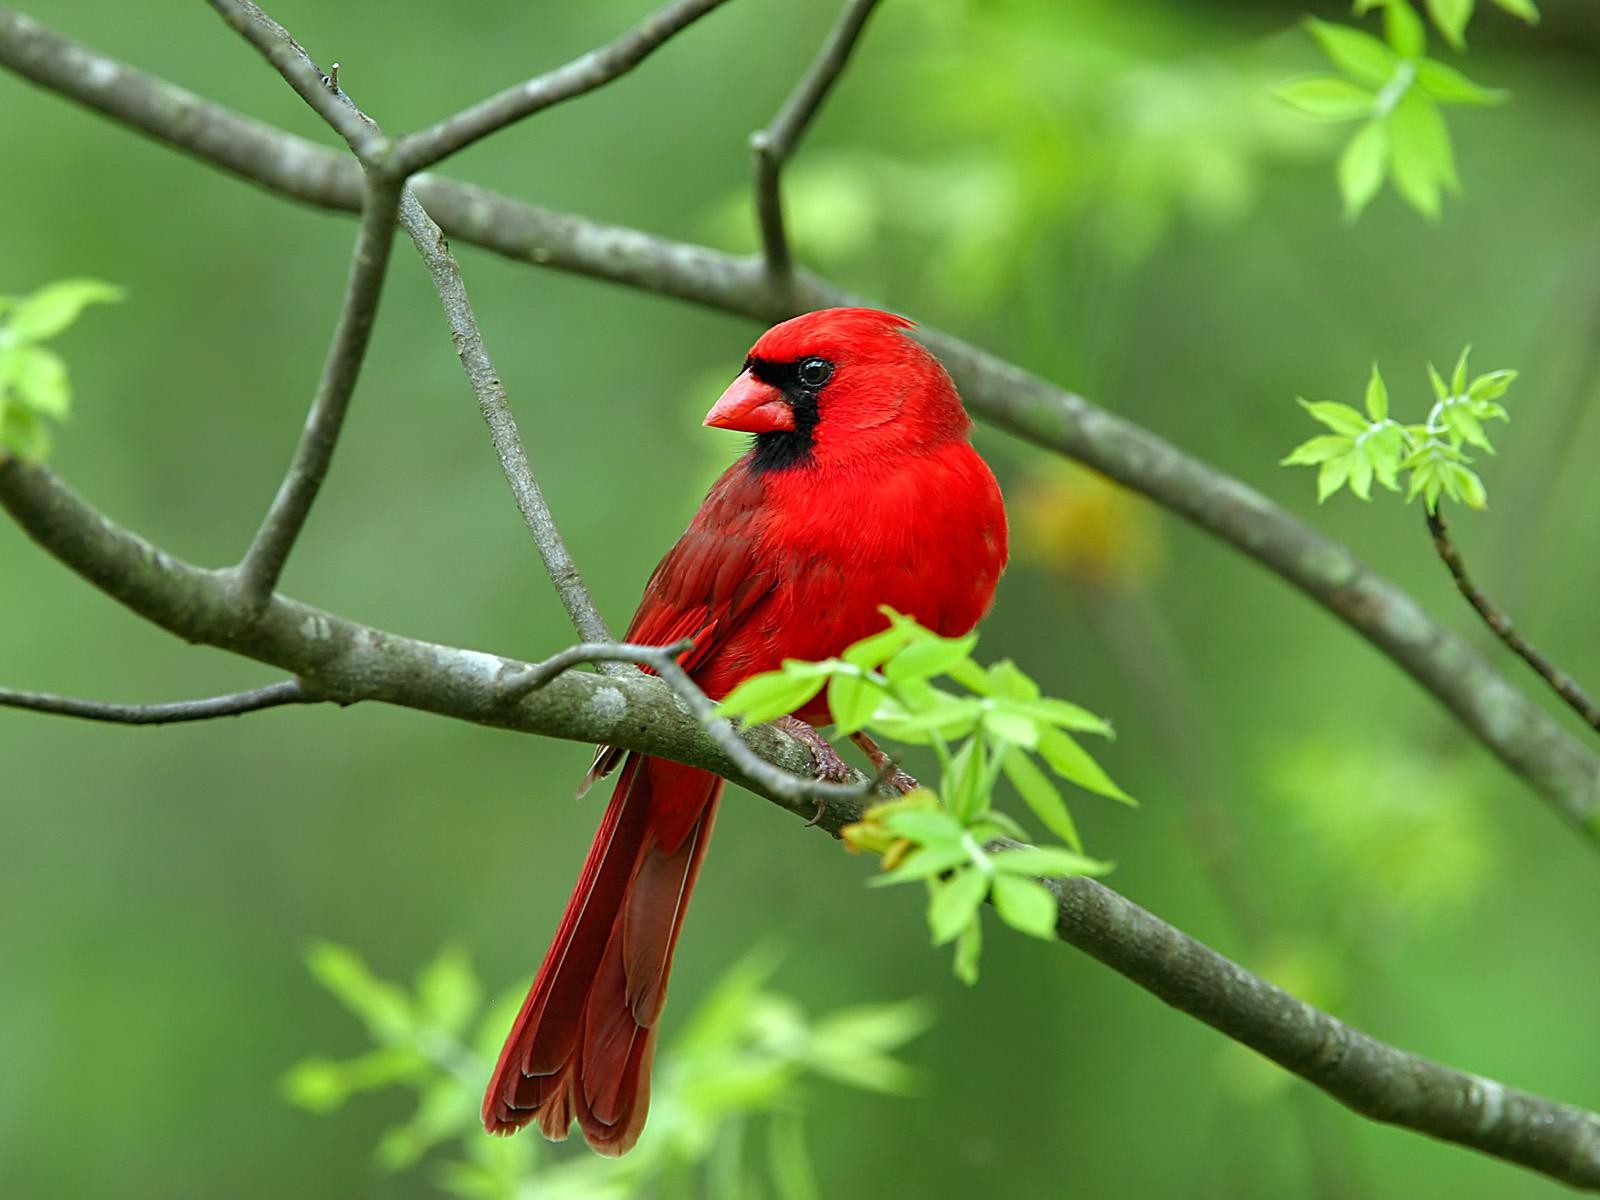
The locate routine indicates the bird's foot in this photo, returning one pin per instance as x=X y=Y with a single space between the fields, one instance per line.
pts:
x=830 y=767
x=890 y=775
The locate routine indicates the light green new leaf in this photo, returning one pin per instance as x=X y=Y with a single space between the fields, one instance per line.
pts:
x=870 y=653
x=1008 y=722
x=1318 y=450
x=1465 y=486
x=1491 y=386
x=964 y=782
x=969 y=946
x=1066 y=715
x=380 y=1004
x=1404 y=29
x=1420 y=156
x=1340 y=418
x=448 y=992
x=1007 y=679
x=924 y=660
x=1075 y=764
x=1025 y=905
x=1362 y=166
x=55 y=306
x=1046 y=861
x=1451 y=17
x=1525 y=9
x=1377 y=398
x=1449 y=86
x=39 y=380
x=1331 y=476
x=22 y=433
x=763 y=698
x=926 y=826
x=1458 y=377
x=852 y=699
x=924 y=863
x=1327 y=97
x=1040 y=795
x=1361 y=474
x=954 y=903
x=1360 y=54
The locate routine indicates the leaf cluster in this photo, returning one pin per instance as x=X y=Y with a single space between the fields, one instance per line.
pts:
x=33 y=379
x=1369 y=447
x=745 y=1053
x=998 y=726
x=1396 y=91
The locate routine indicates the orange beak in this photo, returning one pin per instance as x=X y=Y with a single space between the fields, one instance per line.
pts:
x=751 y=406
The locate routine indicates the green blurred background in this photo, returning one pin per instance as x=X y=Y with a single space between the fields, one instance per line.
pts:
x=1103 y=192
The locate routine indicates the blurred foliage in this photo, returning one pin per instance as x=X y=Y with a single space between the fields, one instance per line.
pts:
x=1374 y=446
x=33 y=379
x=741 y=1067
x=1106 y=193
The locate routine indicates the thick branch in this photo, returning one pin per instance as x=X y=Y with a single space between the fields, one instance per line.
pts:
x=274 y=695
x=1505 y=720
x=263 y=563
x=420 y=150
x=1560 y=682
x=346 y=662
x=771 y=147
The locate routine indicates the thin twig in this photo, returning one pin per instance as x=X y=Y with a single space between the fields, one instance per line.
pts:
x=481 y=373
x=418 y=151
x=1560 y=682
x=274 y=695
x=771 y=147
x=259 y=571
x=295 y=65
x=347 y=662
x=663 y=661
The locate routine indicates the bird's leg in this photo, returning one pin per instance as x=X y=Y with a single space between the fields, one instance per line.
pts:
x=890 y=774
x=829 y=765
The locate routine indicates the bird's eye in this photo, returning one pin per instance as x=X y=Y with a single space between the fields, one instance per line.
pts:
x=814 y=372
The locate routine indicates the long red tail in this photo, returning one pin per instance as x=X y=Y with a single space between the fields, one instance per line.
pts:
x=582 y=1044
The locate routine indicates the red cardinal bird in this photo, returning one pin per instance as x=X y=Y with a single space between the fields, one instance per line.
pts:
x=860 y=489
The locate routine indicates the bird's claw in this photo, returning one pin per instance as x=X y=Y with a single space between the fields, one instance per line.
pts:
x=829 y=766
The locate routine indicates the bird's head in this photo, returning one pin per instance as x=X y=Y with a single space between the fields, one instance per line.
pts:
x=839 y=384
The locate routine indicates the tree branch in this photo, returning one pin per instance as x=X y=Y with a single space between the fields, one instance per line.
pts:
x=274 y=695
x=1560 y=682
x=420 y=150
x=1561 y=769
x=263 y=563
x=296 y=67
x=342 y=661
x=771 y=147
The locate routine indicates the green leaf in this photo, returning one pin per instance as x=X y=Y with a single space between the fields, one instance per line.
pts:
x=1361 y=475
x=878 y=1027
x=852 y=699
x=1451 y=17
x=1441 y=389
x=1046 y=861
x=1065 y=715
x=1420 y=156
x=1327 y=97
x=969 y=947
x=1354 y=51
x=870 y=653
x=954 y=904
x=793 y=1176
x=924 y=863
x=766 y=697
x=23 y=434
x=382 y=1006
x=55 y=306
x=1362 y=166
x=1006 y=679
x=1377 y=399
x=1025 y=905
x=1040 y=795
x=1340 y=418
x=39 y=380
x=1331 y=476
x=1404 y=29
x=1521 y=8
x=924 y=660
x=1009 y=723
x=964 y=783
x=1449 y=86
x=1458 y=377
x=448 y=992
x=1466 y=487
x=925 y=826
x=1075 y=764
x=1491 y=386
x=1318 y=450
